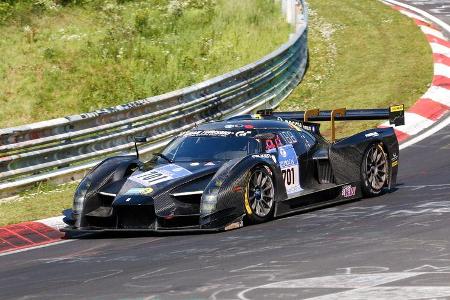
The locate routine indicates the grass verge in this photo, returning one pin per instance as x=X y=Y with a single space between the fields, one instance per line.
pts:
x=62 y=57
x=363 y=54
x=46 y=200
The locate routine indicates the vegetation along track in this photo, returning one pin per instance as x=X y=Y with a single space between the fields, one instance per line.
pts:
x=362 y=54
x=63 y=57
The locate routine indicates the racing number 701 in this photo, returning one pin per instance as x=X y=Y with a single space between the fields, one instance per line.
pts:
x=288 y=176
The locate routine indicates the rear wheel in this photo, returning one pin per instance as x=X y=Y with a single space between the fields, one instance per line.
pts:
x=374 y=170
x=259 y=196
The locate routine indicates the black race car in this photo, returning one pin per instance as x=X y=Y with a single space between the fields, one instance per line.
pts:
x=246 y=169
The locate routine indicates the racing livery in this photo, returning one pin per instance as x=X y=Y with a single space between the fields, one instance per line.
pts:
x=246 y=169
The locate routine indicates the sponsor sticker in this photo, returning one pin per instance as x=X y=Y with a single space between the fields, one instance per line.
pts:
x=147 y=191
x=229 y=126
x=397 y=108
x=161 y=174
x=394 y=157
x=295 y=125
x=394 y=160
x=265 y=155
x=287 y=159
x=234 y=225
x=348 y=191
x=222 y=133
x=134 y=191
x=372 y=134
x=243 y=133
x=139 y=191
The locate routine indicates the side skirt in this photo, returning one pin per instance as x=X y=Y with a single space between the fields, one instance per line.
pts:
x=319 y=198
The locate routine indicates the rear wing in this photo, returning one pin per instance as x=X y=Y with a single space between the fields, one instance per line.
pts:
x=395 y=114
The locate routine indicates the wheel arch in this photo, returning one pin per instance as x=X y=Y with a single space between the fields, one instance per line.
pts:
x=225 y=191
x=106 y=172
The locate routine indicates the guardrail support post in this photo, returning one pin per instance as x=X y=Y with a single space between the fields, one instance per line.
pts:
x=291 y=11
x=284 y=6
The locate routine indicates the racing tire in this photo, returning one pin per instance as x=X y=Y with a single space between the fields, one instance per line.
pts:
x=374 y=170
x=259 y=195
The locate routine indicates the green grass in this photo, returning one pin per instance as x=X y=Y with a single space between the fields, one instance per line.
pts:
x=46 y=200
x=57 y=60
x=363 y=54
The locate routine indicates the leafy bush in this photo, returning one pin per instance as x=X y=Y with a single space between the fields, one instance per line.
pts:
x=6 y=11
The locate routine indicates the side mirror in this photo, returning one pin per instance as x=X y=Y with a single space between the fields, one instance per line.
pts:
x=140 y=139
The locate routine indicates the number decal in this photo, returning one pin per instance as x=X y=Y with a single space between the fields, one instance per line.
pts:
x=289 y=137
x=288 y=176
x=161 y=174
x=287 y=159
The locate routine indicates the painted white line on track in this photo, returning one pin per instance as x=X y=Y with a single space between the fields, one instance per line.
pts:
x=440 y=49
x=35 y=247
x=414 y=123
x=355 y=286
x=426 y=134
x=433 y=32
x=438 y=94
x=422 y=13
x=54 y=222
x=413 y=16
x=441 y=70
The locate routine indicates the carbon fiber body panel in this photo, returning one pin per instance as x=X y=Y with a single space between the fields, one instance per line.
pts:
x=124 y=194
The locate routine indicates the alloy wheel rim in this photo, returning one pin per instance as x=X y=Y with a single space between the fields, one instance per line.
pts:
x=261 y=193
x=376 y=168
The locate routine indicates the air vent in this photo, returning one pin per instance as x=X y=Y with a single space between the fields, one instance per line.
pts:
x=324 y=171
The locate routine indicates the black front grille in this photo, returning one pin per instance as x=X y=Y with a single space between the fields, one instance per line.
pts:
x=187 y=204
x=180 y=221
x=106 y=200
x=135 y=217
x=166 y=205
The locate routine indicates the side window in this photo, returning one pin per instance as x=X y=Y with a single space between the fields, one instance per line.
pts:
x=272 y=144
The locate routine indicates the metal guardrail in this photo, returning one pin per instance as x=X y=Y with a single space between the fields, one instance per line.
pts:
x=70 y=145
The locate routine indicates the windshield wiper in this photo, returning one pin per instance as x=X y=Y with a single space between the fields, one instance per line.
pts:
x=163 y=157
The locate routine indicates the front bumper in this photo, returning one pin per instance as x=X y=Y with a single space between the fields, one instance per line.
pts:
x=92 y=230
x=157 y=226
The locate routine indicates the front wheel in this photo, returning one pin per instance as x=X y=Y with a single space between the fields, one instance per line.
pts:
x=259 y=196
x=374 y=170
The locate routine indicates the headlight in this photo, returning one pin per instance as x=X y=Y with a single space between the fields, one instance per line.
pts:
x=80 y=195
x=209 y=201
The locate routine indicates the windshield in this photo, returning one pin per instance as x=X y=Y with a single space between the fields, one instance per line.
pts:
x=207 y=148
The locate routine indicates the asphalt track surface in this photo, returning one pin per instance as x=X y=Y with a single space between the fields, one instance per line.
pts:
x=437 y=8
x=394 y=246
